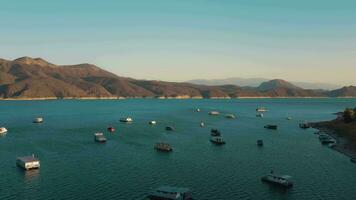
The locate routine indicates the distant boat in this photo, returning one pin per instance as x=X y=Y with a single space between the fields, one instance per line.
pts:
x=126 y=119
x=170 y=193
x=161 y=146
x=152 y=123
x=99 y=137
x=111 y=129
x=283 y=181
x=259 y=115
x=304 y=125
x=28 y=162
x=259 y=142
x=326 y=139
x=198 y=110
x=217 y=140
x=215 y=132
x=270 y=126
x=170 y=128
x=214 y=113
x=230 y=116
x=38 y=120
x=3 y=131
x=261 y=109
x=289 y=118
x=202 y=124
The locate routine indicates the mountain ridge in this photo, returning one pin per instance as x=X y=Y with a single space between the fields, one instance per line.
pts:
x=36 y=78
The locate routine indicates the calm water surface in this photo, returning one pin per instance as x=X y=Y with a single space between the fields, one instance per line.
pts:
x=127 y=166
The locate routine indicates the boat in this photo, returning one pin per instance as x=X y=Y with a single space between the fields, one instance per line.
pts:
x=169 y=193
x=326 y=139
x=3 y=130
x=304 y=125
x=260 y=143
x=126 y=119
x=280 y=180
x=111 y=129
x=170 y=128
x=259 y=115
x=217 y=140
x=270 y=126
x=99 y=137
x=289 y=118
x=261 y=109
x=230 y=116
x=214 y=113
x=28 y=162
x=38 y=120
x=152 y=123
x=161 y=146
x=198 y=110
x=215 y=132
x=202 y=124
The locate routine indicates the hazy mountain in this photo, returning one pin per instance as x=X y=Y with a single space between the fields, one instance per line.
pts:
x=36 y=78
x=255 y=82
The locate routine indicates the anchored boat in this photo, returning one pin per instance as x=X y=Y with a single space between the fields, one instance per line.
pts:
x=230 y=116
x=270 y=126
x=38 y=120
x=152 y=123
x=214 y=113
x=261 y=109
x=217 y=140
x=215 y=132
x=3 y=130
x=161 y=146
x=99 y=137
x=260 y=143
x=304 y=125
x=111 y=129
x=170 y=193
x=126 y=119
x=170 y=128
x=280 y=180
x=28 y=162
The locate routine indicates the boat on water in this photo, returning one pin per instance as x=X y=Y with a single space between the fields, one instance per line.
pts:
x=38 y=120
x=161 y=146
x=304 y=125
x=260 y=115
x=271 y=126
x=326 y=139
x=111 y=129
x=3 y=130
x=260 y=143
x=217 y=140
x=170 y=128
x=289 y=118
x=28 y=162
x=280 y=180
x=169 y=193
x=126 y=119
x=152 y=122
x=99 y=137
x=261 y=109
x=215 y=132
x=214 y=113
x=198 y=110
x=202 y=124
x=230 y=116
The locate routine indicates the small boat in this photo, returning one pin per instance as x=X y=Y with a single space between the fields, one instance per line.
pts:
x=161 y=146
x=353 y=160
x=261 y=109
x=28 y=162
x=99 y=137
x=279 y=180
x=126 y=119
x=169 y=193
x=3 y=130
x=260 y=143
x=202 y=124
x=270 y=126
x=215 y=132
x=111 y=129
x=259 y=115
x=289 y=118
x=170 y=128
x=326 y=139
x=152 y=123
x=304 y=125
x=214 y=113
x=217 y=140
x=230 y=116
x=198 y=110
x=38 y=120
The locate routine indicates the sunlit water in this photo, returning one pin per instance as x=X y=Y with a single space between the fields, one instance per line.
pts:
x=73 y=166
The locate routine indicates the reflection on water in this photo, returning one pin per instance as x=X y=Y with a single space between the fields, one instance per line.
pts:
x=31 y=175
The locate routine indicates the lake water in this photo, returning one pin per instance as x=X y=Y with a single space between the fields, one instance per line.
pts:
x=73 y=166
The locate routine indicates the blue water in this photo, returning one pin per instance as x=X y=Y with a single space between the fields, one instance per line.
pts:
x=127 y=166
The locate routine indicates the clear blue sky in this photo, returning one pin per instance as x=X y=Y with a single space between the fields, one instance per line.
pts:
x=299 y=40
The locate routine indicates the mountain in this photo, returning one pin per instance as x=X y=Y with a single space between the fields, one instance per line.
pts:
x=28 y=78
x=255 y=82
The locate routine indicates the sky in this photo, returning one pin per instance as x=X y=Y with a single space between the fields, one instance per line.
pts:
x=304 y=40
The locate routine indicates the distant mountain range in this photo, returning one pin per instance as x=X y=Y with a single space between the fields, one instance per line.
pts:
x=255 y=82
x=35 y=78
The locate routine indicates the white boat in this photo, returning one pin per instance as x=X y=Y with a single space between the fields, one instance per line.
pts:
x=99 y=137
x=289 y=118
x=230 y=116
x=214 y=113
x=202 y=124
x=152 y=123
x=3 y=130
x=259 y=115
x=261 y=109
x=126 y=119
x=198 y=110
x=38 y=120
x=28 y=162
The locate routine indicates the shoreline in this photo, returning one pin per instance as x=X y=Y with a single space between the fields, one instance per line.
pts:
x=178 y=97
